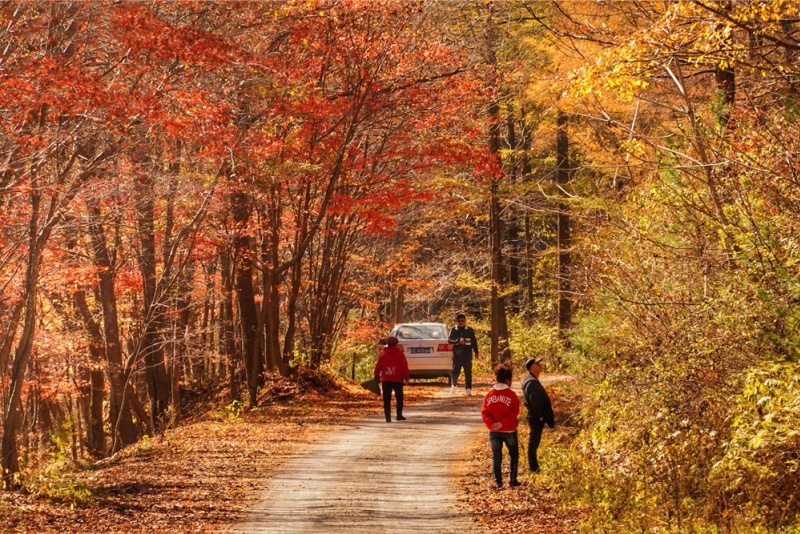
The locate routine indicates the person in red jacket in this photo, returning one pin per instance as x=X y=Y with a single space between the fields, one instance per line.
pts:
x=392 y=371
x=499 y=412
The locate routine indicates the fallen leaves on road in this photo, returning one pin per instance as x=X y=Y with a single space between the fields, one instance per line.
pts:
x=203 y=476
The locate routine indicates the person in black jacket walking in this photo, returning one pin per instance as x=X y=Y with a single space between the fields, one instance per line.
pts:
x=540 y=411
x=464 y=342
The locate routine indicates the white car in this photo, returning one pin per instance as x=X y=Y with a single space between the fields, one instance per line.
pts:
x=426 y=348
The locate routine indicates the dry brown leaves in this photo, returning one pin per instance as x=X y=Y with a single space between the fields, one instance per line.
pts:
x=200 y=477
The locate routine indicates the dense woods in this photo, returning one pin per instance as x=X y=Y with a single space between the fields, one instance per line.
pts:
x=196 y=196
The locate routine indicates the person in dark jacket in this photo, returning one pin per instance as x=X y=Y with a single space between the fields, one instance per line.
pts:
x=392 y=371
x=540 y=411
x=464 y=342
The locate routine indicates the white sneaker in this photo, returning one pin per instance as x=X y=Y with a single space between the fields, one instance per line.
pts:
x=469 y=392
x=452 y=389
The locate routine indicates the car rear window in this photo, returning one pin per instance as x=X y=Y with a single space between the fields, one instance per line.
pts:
x=420 y=332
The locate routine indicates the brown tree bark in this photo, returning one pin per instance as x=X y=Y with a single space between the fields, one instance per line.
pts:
x=11 y=423
x=123 y=431
x=499 y=335
x=226 y=329
x=564 y=234
x=151 y=342
x=243 y=281
x=95 y=433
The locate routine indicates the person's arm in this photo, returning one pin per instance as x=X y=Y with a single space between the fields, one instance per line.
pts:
x=549 y=416
x=513 y=412
x=474 y=341
x=526 y=399
x=487 y=416
x=404 y=368
x=378 y=367
x=453 y=338
x=537 y=409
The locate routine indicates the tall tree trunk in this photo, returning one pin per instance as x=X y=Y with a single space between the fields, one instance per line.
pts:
x=178 y=340
x=272 y=322
x=151 y=342
x=270 y=317
x=326 y=271
x=564 y=237
x=123 y=431
x=8 y=343
x=726 y=78
x=227 y=332
x=95 y=432
x=528 y=231
x=399 y=304
x=501 y=351
x=512 y=228
x=9 y=455
x=499 y=336
x=291 y=310
x=248 y=312
x=22 y=356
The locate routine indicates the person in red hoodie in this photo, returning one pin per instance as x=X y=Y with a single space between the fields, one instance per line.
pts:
x=392 y=371
x=499 y=412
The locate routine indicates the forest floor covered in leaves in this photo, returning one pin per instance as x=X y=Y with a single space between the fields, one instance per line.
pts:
x=204 y=476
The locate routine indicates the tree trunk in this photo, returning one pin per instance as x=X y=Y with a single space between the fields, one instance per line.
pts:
x=564 y=238
x=499 y=336
x=726 y=79
x=151 y=342
x=512 y=230
x=227 y=332
x=244 y=287
x=9 y=455
x=123 y=431
x=291 y=310
x=8 y=343
x=501 y=352
x=95 y=432
x=11 y=423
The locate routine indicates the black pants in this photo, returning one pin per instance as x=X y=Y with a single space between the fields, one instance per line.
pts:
x=387 y=388
x=496 y=440
x=460 y=362
x=533 y=443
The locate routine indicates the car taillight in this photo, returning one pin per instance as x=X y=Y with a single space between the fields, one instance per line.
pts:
x=444 y=347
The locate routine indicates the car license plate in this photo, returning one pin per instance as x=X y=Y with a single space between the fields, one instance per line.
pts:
x=421 y=350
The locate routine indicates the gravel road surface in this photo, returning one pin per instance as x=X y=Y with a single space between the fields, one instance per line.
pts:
x=377 y=477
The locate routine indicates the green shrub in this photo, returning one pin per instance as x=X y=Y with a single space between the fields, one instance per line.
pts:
x=760 y=472
x=57 y=482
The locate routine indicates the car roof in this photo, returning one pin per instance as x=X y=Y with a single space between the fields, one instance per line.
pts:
x=411 y=324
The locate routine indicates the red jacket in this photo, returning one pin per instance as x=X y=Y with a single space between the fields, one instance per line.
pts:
x=392 y=365
x=501 y=404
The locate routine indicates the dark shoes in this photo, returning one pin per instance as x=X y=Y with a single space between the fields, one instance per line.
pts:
x=514 y=483
x=401 y=418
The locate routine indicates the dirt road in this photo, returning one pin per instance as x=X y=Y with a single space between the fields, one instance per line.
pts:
x=377 y=477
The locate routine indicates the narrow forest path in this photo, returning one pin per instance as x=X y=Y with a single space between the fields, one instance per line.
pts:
x=377 y=477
